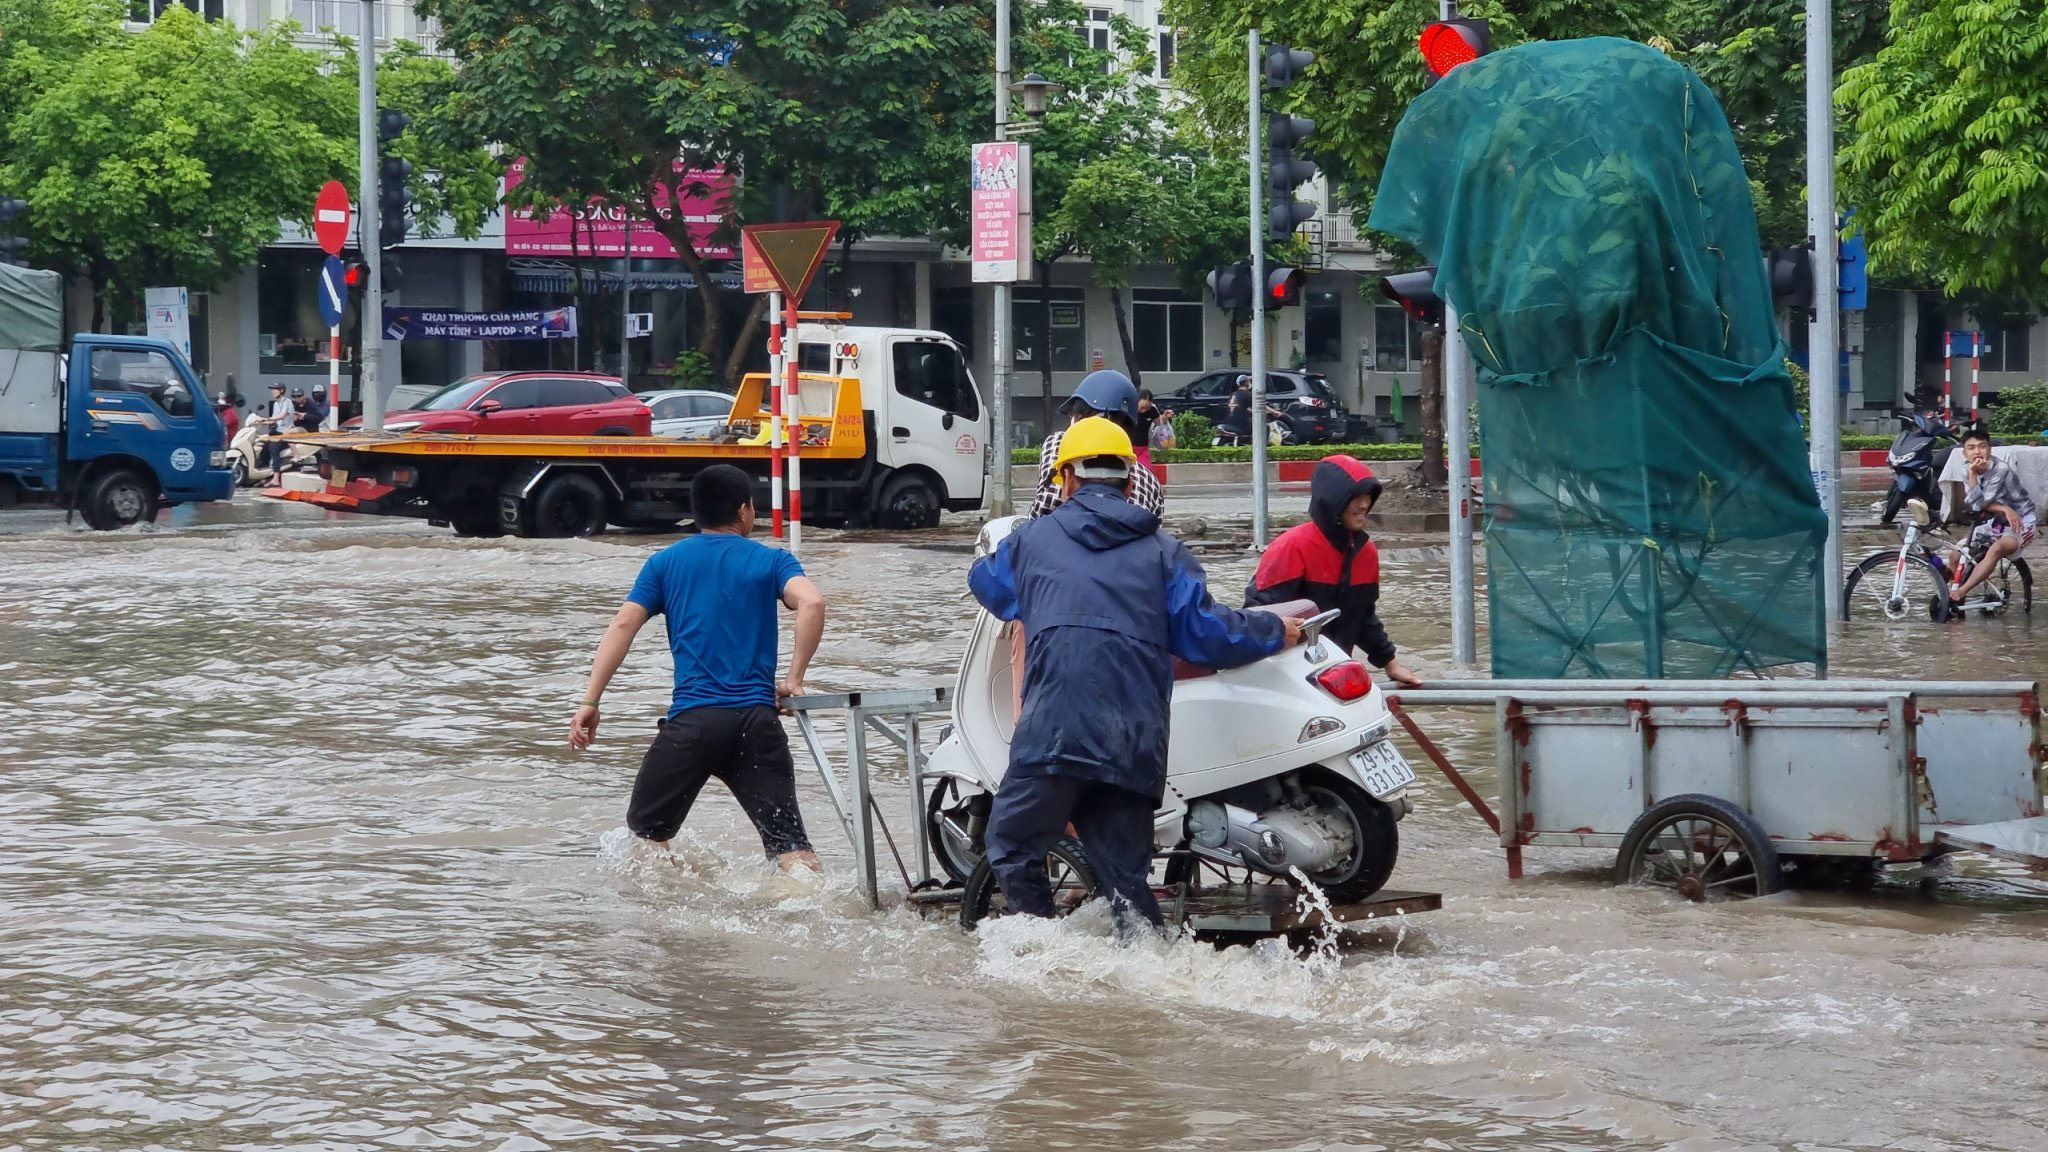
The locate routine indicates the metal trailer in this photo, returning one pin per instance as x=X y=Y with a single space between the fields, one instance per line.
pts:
x=901 y=718
x=1686 y=780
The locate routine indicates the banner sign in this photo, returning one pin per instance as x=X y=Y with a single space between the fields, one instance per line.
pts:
x=425 y=324
x=170 y=317
x=1000 y=208
x=603 y=231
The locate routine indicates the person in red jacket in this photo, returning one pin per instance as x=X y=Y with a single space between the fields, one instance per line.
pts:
x=231 y=420
x=1331 y=561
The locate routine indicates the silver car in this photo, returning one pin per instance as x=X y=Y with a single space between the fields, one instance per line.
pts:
x=686 y=414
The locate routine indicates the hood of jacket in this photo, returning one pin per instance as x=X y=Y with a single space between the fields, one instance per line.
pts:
x=1098 y=518
x=1337 y=481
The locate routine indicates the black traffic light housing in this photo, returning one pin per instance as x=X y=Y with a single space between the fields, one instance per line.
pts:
x=1791 y=272
x=393 y=199
x=1415 y=292
x=12 y=247
x=355 y=276
x=1231 y=285
x=1445 y=44
x=1283 y=286
x=1284 y=133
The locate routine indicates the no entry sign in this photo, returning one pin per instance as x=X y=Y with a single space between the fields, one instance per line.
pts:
x=331 y=217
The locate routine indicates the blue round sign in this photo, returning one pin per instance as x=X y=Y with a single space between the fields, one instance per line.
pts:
x=333 y=293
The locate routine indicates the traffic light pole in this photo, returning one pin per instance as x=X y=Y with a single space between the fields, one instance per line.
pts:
x=1457 y=401
x=1822 y=336
x=1258 y=222
x=371 y=345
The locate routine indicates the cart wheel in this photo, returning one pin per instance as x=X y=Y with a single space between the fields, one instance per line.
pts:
x=947 y=823
x=1073 y=884
x=1701 y=847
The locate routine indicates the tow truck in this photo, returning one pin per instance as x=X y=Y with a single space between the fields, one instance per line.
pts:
x=890 y=428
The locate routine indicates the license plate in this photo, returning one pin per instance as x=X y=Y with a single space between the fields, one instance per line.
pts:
x=339 y=479
x=1383 y=769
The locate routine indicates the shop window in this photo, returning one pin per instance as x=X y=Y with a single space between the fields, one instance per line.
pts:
x=1166 y=331
x=1068 y=333
x=1395 y=341
x=291 y=338
x=2007 y=344
x=1322 y=327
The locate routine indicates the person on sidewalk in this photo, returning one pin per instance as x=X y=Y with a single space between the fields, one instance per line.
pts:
x=1332 y=561
x=1103 y=393
x=1105 y=598
x=718 y=590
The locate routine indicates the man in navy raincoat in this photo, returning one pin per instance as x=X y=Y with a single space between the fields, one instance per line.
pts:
x=1107 y=599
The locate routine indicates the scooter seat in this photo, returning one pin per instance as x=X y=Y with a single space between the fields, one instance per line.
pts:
x=1289 y=610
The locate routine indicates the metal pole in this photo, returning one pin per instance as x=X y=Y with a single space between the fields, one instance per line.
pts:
x=1457 y=393
x=999 y=399
x=782 y=338
x=1824 y=332
x=371 y=347
x=1256 y=79
x=625 y=303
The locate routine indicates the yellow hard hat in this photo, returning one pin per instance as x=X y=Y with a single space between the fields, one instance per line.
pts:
x=1092 y=437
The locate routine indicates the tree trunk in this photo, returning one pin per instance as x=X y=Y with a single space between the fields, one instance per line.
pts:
x=1432 y=399
x=576 y=292
x=1045 y=401
x=1123 y=336
x=736 y=358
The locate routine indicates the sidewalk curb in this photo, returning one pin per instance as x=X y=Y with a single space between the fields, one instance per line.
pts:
x=1024 y=477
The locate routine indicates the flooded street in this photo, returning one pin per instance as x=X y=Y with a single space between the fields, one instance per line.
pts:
x=296 y=856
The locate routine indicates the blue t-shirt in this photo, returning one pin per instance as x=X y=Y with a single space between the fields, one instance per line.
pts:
x=719 y=592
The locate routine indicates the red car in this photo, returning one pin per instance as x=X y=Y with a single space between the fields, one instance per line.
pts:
x=527 y=404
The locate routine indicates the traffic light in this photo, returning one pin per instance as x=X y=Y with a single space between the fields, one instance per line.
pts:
x=1415 y=292
x=12 y=247
x=1284 y=133
x=1283 y=286
x=1791 y=272
x=1231 y=285
x=392 y=172
x=355 y=276
x=1448 y=43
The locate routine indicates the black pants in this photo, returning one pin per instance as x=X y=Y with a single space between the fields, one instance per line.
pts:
x=1115 y=824
x=745 y=748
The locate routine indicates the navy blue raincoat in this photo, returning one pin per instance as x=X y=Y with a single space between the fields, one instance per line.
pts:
x=1106 y=599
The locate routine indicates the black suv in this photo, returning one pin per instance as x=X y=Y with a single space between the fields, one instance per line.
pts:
x=1305 y=399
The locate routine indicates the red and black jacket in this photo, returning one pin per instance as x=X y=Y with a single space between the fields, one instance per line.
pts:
x=1322 y=562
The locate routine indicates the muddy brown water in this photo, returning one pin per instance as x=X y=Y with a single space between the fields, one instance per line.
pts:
x=293 y=855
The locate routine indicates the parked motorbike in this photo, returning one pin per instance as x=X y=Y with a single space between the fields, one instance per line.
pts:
x=246 y=457
x=1914 y=462
x=1280 y=766
x=1278 y=433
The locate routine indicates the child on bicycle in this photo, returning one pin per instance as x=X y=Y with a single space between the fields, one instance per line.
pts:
x=1993 y=493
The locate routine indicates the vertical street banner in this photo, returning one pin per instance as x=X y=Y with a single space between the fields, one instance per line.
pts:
x=170 y=318
x=1000 y=213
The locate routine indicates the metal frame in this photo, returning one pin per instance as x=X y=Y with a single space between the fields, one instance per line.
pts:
x=853 y=799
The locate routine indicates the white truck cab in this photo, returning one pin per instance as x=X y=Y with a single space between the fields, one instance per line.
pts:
x=929 y=425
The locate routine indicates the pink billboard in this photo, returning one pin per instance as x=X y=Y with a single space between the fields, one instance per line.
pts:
x=603 y=232
x=1000 y=213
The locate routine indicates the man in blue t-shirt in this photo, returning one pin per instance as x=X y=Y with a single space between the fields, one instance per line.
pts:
x=718 y=590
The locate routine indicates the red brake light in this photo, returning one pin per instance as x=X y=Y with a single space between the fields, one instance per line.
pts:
x=1347 y=681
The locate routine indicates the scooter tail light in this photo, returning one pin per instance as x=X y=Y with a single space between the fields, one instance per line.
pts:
x=1347 y=681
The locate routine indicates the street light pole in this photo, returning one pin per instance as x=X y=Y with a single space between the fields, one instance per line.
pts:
x=1822 y=335
x=1457 y=402
x=999 y=399
x=371 y=346
x=1257 y=78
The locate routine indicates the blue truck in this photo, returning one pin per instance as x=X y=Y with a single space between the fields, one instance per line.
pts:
x=111 y=427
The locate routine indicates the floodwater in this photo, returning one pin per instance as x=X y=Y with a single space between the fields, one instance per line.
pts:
x=293 y=855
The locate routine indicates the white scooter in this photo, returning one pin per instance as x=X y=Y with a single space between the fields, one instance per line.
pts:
x=1281 y=765
x=246 y=456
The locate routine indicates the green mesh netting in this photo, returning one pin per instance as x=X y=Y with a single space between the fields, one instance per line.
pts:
x=1648 y=506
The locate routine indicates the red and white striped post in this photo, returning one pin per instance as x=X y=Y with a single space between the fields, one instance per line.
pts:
x=333 y=419
x=1976 y=357
x=1948 y=352
x=777 y=357
x=791 y=361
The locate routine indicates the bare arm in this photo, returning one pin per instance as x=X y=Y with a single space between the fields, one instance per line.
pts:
x=611 y=652
x=802 y=597
x=2012 y=518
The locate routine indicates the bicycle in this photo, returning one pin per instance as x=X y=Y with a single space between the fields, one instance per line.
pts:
x=1921 y=580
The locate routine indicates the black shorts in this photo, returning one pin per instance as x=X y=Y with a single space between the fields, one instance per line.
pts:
x=745 y=748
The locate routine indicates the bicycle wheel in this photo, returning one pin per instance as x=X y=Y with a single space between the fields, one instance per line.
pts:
x=2015 y=581
x=1921 y=585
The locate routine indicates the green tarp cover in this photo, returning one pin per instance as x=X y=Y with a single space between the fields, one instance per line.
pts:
x=1648 y=506
x=31 y=309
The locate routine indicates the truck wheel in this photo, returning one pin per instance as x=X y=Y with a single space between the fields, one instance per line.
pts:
x=570 y=504
x=908 y=501
x=119 y=498
x=481 y=524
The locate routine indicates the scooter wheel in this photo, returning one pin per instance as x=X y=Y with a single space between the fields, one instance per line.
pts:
x=1376 y=845
x=1066 y=866
x=946 y=819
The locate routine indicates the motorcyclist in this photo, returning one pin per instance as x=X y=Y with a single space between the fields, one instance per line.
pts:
x=1332 y=561
x=1109 y=393
x=1105 y=597
x=315 y=415
x=230 y=420
x=278 y=416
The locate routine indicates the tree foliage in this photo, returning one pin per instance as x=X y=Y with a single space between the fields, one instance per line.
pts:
x=1949 y=164
x=821 y=106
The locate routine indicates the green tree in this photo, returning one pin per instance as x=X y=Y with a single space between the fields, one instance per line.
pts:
x=455 y=177
x=1949 y=164
x=821 y=105
x=170 y=154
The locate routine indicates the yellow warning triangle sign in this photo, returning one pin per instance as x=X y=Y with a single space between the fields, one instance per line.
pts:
x=793 y=251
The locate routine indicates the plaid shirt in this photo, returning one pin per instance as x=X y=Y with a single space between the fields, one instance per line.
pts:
x=1145 y=491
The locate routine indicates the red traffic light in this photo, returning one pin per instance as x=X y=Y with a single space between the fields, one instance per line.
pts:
x=1283 y=286
x=1446 y=44
x=1415 y=292
x=354 y=275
